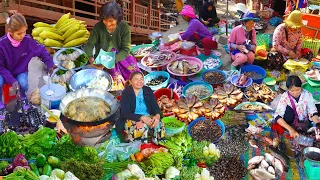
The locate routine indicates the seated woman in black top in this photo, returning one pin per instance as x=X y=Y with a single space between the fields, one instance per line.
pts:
x=139 y=111
x=208 y=15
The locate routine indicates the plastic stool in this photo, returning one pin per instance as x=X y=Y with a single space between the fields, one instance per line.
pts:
x=6 y=93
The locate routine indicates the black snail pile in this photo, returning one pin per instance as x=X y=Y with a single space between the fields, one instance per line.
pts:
x=156 y=81
x=228 y=168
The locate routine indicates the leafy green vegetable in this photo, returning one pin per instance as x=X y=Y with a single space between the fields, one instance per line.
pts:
x=157 y=163
x=68 y=51
x=22 y=174
x=83 y=170
x=178 y=145
x=3 y=164
x=115 y=167
x=61 y=72
x=67 y=149
x=197 y=150
x=82 y=59
x=10 y=145
x=189 y=172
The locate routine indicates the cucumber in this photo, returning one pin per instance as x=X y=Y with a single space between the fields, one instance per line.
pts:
x=53 y=161
x=46 y=170
x=41 y=160
x=34 y=168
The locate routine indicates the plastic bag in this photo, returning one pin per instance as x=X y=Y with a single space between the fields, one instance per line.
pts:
x=187 y=45
x=107 y=59
x=124 y=150
x=107 y=150
x=295 y=66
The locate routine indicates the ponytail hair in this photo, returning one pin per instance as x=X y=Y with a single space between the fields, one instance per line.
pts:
x=131 y=77
x=16 y=21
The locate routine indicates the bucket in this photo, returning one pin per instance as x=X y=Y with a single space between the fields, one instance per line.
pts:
x=53 y=101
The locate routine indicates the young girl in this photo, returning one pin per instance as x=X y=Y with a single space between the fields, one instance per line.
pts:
x=16 y=50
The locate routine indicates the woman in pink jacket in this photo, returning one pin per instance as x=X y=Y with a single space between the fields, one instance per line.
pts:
x=242 y=41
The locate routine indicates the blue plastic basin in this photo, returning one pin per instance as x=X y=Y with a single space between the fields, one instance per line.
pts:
x=254 y=68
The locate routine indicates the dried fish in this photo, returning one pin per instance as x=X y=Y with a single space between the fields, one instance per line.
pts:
x=183 y=67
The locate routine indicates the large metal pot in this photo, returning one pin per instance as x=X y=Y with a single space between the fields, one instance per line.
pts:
x=109 y=98
x=81 y=78
x=312 y=154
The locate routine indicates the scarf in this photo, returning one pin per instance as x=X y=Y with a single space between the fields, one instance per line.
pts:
x=14 y=42
x=205 y=14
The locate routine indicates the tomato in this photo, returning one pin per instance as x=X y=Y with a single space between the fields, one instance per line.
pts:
x=139 y=156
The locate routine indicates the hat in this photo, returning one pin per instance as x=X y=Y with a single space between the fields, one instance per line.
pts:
x=187 y=10
x=242 y=7
x=249 y=16
x=294 y=19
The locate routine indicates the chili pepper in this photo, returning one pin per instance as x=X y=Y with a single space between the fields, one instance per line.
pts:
x=202 y=165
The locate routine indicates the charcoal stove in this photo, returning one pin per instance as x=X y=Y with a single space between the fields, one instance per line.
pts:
x=90 y=133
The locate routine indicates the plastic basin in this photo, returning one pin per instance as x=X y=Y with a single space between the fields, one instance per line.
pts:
x=219 y=122
x=254 y=68
x=234 y=79
x=154 y=75
x=165 y=91
x=191 y=60
x=184 y=90
x=215 y=70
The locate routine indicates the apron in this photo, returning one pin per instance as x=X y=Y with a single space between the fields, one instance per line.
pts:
x=299 y=126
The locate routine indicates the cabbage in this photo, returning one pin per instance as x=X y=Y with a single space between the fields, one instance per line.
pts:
x=53 y=177
x=70 y=176
x=58 y=173
x=172 y=172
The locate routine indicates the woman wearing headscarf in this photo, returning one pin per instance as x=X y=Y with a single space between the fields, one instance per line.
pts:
x=208 y=14
x=287 y=37
x=196 y=32
x=242 y=41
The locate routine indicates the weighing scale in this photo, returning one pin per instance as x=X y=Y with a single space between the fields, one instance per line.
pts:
x=311 y=167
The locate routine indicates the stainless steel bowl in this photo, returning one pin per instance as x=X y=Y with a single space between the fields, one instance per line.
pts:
x=109 y=98
x=311 y=150
x=81 y=78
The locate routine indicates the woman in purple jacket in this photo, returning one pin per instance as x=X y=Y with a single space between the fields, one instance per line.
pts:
x=16 y=50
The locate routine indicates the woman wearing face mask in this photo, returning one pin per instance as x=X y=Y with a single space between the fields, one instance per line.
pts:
x=287 y=37
x=16 y=50
x=139 y=111
x=112 y=35
x=242 y=41
x=296 y=107
x=196 y=32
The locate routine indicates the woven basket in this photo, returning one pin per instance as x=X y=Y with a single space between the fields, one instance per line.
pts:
x=313 y=45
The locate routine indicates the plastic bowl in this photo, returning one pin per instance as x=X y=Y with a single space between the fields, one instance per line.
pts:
x=191 y=60
x=219 y=122
x=154 y=75
x=165 y=91
x=184 y=90
x=54 y=112
x=215 y=70
x=59 y=63
x=257 y=69
x=234 y=79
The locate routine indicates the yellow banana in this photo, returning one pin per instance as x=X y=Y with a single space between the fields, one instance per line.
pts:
x=66 y=28
x=41 y=24
x=52 y=43
x=76 y=42
x=51 y=35
x=71 y=31
x=38 y=39
x=78 y=34
x=62 y=19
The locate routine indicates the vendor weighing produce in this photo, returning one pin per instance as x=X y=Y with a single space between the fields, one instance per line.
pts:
x=16 y=50
x=296 y=107
x=112 y=34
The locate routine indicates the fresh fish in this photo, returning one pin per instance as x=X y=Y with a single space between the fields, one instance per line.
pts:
x=251 y=166
x=269 y=158
x=261 y=174
x=256 y=160
x=278 y=166
x=264 y=164
x=175 y=65
x=271 y=170
x=253 y=143
x=281 y=156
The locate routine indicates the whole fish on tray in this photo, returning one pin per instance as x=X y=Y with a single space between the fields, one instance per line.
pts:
x=158 y=59
x=183 y=67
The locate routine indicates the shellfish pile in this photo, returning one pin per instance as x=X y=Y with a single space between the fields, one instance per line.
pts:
x=213 y=109
x=228 y=95
x=183 y=67
x=265 y=167
x=188 y=109
x=260 y=92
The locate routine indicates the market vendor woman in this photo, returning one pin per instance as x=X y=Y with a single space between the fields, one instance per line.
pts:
x=242 y=41
x=112 y=34
x=287 y=37
x=16 y=50
x=296 y=107
x=196 y=32
x=140 y=112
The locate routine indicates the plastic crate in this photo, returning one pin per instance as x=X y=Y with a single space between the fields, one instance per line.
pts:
x=313 y=45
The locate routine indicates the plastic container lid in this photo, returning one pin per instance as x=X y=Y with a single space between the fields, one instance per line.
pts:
x=269 y=81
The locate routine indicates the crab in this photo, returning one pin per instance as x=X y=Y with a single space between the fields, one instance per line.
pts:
x=188 y=109
x=213 y=109
x=263 y=92
x=228 y=95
